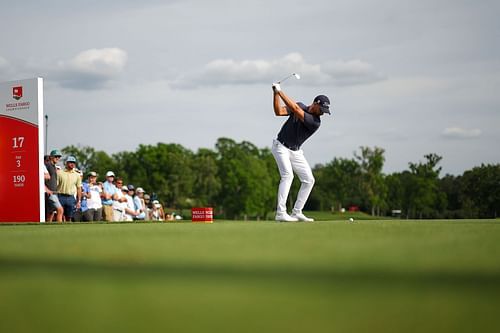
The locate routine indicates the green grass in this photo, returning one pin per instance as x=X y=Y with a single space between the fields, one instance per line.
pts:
x=332 y=276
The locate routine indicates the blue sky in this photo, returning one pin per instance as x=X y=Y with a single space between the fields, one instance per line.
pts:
x=412 y=77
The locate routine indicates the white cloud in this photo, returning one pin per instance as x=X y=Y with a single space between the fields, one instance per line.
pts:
x=230 y=72
x=461 y=133
x=105 y=62
x=92 y=68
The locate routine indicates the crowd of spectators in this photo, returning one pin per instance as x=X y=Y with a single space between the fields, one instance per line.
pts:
x=70 y=197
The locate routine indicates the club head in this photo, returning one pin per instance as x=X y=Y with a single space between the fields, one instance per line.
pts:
x=297 y=76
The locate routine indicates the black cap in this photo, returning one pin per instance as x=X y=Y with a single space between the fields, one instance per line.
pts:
x=324 y=103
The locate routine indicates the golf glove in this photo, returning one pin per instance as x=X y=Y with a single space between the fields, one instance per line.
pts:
x=276 y=87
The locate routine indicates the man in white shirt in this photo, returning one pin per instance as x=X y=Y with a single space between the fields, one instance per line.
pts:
x=120 y=201
x=130 y=211
x=92 y=192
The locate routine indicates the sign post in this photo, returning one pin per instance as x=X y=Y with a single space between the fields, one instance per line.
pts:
x=21 y=151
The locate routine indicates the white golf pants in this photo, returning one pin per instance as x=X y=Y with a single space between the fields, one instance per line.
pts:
x=290 y=161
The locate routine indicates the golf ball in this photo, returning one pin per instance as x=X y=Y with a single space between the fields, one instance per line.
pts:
x=351 y=219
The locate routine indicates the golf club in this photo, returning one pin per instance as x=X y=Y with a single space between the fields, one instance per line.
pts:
x=297 y=76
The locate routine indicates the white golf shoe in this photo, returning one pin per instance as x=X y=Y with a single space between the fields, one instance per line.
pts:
x=301 y=217
x=284 y=217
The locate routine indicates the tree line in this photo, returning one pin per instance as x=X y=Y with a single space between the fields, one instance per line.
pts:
x=240 y=180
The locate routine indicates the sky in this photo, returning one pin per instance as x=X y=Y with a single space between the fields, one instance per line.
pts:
x=411 y=77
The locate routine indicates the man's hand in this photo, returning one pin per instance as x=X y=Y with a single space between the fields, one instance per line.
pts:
x=276 y=87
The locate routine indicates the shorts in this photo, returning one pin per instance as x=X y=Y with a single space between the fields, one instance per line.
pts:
x=68 y=202
x=52 y=203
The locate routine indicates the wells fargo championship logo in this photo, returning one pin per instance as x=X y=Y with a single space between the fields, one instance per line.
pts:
x=17 y=92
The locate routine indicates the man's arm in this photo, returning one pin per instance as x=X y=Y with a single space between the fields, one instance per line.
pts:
x=278 y=93
x=86 y=191
x=278 y=109
x=78 y=197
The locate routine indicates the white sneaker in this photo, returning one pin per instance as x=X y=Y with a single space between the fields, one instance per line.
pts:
x=284 y=217
x=302 y=217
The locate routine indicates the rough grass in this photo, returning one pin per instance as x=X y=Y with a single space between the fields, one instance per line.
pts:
x=369 y=276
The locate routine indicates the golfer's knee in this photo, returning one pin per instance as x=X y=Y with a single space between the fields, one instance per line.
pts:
x=309 y=180
x=287 y=177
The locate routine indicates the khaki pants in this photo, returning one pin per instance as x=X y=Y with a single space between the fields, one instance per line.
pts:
x=108 y=213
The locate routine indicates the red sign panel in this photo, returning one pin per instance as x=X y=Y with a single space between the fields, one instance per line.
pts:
x=19 y=188
x=202 y=215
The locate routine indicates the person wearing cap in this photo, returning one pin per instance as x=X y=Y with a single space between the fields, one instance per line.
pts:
x=130 y=211
x=303 y=121
x=157 y=213
x=69 y=184
x=52 y=203
x=139 y=204
x=119 y=201
x=92 y=192
x=109 y=193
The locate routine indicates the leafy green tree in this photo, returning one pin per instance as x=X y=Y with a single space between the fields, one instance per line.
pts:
x=401 y=192
x=164 y=169
x=451 y=186
x=246 y=182
x=395 y=191
x=371 y=161
x=426 y=199
x=338 y=184
x=481 y=190
x=207 y=184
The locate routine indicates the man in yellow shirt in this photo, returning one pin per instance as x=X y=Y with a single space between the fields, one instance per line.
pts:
x=69 y=188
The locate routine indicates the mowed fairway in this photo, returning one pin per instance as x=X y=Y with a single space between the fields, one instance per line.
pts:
x=331 y=276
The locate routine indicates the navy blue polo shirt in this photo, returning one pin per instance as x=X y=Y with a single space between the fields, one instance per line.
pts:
x=294 y=132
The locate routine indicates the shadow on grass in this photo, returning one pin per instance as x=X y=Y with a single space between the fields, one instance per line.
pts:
x=281 y=274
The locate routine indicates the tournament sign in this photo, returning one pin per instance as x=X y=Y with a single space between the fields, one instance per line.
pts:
x=21 y=151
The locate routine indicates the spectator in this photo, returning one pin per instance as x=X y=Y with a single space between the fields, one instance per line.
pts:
x=46 y=160
x=149 y=206
x=52 y=203
x=109 y=193
x=46 y=174
x=120 y=201
x=69 y=183
x=92 y=191
x=130 y=211
x=139 y=204
x=157 y=213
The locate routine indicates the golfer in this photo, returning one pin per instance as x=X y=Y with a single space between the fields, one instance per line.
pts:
x=302 y=122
